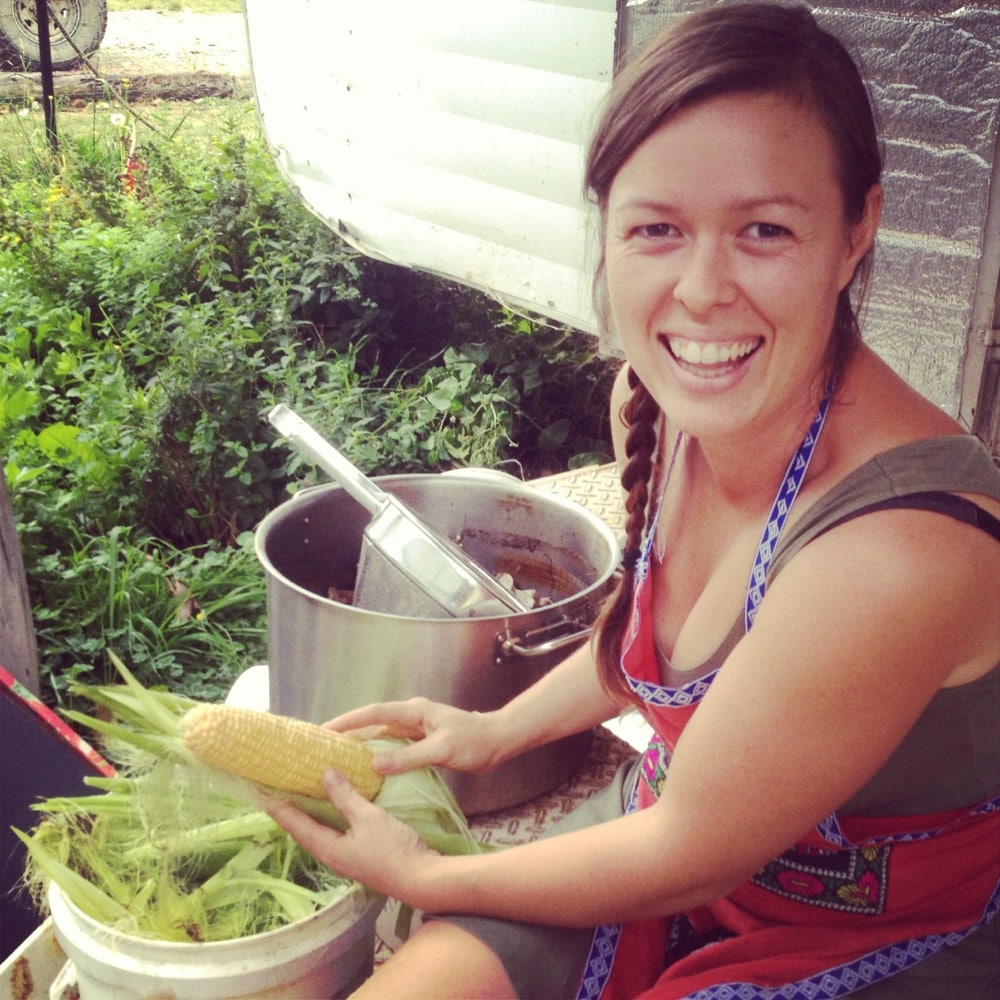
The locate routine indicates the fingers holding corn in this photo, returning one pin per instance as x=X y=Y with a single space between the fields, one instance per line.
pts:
x=435 y=734
x=375 y=848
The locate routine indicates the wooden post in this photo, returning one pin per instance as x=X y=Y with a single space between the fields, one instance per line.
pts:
x=18 y=649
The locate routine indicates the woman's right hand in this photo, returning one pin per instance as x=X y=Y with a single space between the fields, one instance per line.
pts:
x=441 y=734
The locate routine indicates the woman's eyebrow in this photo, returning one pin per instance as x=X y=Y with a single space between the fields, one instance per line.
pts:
x=646 y=205
x=750 y=204
x=770 y=201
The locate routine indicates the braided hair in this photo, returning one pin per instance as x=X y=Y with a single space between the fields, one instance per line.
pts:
x=641 y=415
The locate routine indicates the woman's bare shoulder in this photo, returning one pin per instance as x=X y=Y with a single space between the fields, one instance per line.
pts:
x=879 y=410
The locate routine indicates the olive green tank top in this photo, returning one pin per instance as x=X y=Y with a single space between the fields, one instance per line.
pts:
x=951 y=757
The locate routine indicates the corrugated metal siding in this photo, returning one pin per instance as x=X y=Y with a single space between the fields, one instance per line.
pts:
x=443 y=135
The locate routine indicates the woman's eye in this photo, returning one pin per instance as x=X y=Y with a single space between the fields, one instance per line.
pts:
x=654 y=231
x=767 y=231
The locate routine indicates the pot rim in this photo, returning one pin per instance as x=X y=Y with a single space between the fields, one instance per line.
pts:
x=567 y=607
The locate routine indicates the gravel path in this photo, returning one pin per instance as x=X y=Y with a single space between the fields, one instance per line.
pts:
x=147 y=42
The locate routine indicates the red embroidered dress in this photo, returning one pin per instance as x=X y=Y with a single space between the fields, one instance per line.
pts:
x=858 y=900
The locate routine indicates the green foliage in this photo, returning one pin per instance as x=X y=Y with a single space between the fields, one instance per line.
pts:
x=560 y=384
x=188 y=620
x=160 y=290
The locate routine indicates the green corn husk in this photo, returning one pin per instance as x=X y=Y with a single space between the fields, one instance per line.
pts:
x=172 y=849
x=166 y=854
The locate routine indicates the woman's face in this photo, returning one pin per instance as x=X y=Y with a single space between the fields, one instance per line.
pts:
x=726 y=249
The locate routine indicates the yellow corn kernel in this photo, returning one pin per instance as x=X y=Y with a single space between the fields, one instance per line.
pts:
x=274 y=750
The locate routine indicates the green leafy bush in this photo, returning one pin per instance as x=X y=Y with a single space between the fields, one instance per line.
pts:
x=157 y=298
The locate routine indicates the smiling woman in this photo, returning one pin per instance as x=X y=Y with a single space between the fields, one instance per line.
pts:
x=728 y=245
x=807 y=611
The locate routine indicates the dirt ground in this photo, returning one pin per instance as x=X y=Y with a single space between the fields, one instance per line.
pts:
x=175 y=57
x=140 y=43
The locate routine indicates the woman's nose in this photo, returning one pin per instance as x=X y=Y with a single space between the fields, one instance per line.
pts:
x=704 y=279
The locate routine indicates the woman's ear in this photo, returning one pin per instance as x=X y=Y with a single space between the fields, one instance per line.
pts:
x=862 y=233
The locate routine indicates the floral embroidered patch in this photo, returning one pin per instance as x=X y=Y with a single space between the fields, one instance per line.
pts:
x=852 y=881
x=654 y=765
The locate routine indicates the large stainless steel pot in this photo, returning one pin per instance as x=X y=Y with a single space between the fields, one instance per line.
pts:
x=326 y=656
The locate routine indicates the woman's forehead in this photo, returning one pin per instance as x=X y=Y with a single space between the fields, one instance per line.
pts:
x=746 y=147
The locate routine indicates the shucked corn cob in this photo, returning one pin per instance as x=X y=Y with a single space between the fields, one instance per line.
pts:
x=283 y=753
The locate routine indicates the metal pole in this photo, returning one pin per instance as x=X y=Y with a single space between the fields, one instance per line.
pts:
x=45 y=63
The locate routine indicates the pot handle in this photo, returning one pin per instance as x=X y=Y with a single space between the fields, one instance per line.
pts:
x=533 y=644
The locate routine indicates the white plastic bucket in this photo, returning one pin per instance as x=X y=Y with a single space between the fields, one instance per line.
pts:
x=327 y=955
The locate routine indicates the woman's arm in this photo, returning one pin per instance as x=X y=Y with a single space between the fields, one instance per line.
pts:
x=567 y=700
x=851 y=642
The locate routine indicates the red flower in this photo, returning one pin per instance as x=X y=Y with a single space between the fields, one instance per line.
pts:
x=864 y=892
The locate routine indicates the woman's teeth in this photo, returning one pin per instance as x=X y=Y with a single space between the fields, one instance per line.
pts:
x=695 y=353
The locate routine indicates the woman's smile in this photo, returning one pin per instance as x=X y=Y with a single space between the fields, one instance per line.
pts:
x=709 y=359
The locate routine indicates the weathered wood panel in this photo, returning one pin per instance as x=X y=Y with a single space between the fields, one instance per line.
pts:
x=18 y=649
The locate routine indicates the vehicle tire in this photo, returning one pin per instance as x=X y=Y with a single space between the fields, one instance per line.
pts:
x=85 y=22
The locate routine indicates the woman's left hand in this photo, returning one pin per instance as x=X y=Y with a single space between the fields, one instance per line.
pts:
x=377 y=850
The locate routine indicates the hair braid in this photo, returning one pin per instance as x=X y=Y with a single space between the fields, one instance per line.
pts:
x=641 y=415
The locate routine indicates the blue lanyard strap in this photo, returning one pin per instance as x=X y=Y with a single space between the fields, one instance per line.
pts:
x=787 y=492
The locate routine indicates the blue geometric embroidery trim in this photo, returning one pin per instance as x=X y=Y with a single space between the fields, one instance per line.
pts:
x=600 y=961
x=780 y=509
x=831 y=830
x=604 y=945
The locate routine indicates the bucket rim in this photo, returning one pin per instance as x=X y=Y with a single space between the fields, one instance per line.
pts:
x=357 y=900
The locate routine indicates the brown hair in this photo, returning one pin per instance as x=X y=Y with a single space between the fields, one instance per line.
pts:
x=723 y=49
